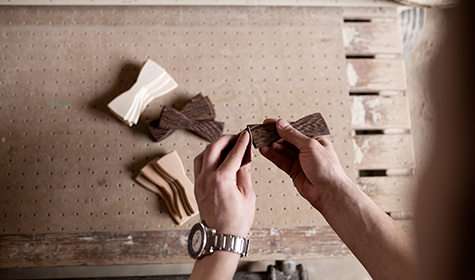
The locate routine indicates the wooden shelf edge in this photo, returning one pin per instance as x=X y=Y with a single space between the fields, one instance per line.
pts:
x=154 y=247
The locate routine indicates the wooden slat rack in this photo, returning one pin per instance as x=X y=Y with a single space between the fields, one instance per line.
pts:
x=67 y=194
x=384 y=156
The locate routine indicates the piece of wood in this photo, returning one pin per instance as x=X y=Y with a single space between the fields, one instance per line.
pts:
x=390 y=193
x=124 y=103
x=149 y=185
x=158 y=133
x=374 y=152
x=172 y=165
x=402 y=215
x=153 y=81
x=379 y=112
x=176 y=216
x=199 y=108
x=151 y=178
x=155 y=247
x=180 y=191
x=170 y=194
x=181 y=198
x=371 y=13
x=370 y=38
x=172 y=119
x=374 y=75
x=247 y=155
x=160 y=88
x=265 y=134
x=429 y=3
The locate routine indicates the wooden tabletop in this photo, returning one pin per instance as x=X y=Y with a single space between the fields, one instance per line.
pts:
x=68 y=196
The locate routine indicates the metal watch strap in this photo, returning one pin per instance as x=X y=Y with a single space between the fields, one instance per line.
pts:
x=227 y=242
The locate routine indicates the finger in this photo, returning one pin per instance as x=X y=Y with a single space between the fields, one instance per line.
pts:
x=212 y=153
x=292 y=135
x=286 y=150
x=233 y=160
x=197 y=164
x=244 y=180
x=267 y=121
x=287 y=145
x=325 y=142
x=273 y=154
x=296 y=168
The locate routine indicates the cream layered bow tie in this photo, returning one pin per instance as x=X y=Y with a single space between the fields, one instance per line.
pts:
x=153 y=82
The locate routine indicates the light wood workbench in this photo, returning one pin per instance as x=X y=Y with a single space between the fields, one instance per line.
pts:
x=67 y=194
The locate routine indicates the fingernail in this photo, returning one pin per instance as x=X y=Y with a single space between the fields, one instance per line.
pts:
x=282 y=123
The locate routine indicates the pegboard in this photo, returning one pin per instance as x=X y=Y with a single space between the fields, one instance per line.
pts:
x=68 y=164
x=326 y=3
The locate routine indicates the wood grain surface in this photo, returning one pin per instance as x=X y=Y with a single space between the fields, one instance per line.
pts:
x=371 y=38
x=199 y=108
x=248 y=154
x=146 y=247
x=374 y=75
x=173 y=119
x=171 y=168
x=169 y=193
x=390 y=193
x=178 y=216
x=152 y=247
x=381 y=152
x=265 y=134
x=166 y=177
x=380 y=112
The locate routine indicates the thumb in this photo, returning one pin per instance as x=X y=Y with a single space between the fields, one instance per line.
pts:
x=291 y=135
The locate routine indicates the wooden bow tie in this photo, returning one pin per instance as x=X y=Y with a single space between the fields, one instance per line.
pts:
x=173 y=119
x=265 y=134
x=199 y=108
x=153 y=82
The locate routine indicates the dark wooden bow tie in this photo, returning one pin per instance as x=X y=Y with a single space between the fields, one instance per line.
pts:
x=173 y=119
x=199 y=108
x=265 y=134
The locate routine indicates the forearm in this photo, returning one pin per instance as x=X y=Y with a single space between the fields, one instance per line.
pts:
x=219 y=265
x=379 y=243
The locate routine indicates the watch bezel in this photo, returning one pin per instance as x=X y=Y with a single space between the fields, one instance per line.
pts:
x=197 y=227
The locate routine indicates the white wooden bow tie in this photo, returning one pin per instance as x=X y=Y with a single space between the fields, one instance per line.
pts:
x=153 y=81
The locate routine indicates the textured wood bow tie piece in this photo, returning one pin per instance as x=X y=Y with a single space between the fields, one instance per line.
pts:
x=173 y=119
x=166 y=177
x=265 y=134
x=199 y=108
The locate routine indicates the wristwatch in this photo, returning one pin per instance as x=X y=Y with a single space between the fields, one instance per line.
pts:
x=203 y=241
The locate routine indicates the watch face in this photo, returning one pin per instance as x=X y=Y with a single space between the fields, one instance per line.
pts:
x=196 y=240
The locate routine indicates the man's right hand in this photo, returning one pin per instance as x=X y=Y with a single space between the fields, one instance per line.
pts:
x=376 y=239
x=312 y=163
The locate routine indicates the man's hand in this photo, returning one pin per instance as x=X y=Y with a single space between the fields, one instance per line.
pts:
x=311 y=162
x=375 y=239
x=226 y=200
x=224 y=192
